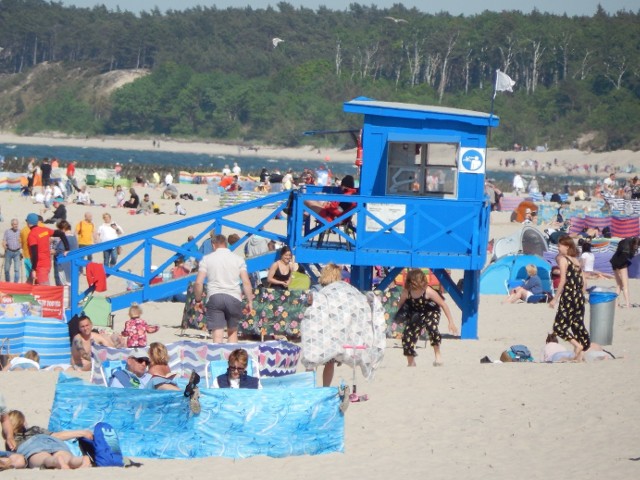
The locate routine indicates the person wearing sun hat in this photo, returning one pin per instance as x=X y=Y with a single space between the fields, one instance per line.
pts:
x=39 y=250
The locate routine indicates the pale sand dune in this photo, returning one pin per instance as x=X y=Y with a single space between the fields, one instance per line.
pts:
x=465 y=420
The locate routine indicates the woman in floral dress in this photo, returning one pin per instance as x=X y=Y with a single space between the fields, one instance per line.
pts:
x=570 y=298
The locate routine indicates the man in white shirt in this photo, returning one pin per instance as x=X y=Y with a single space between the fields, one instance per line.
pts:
x=222 y=268
x=109 y=230
x=518 y=184
x=236 y=168
x=168 y=179
x=610 y=183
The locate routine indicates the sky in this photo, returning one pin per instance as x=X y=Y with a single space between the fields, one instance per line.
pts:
x=454 y=7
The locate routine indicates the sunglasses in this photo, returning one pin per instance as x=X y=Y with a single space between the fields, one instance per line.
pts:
x=237 y=369
x=142 y=360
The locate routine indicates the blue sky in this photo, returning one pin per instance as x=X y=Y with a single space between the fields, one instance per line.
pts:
x=455 y=7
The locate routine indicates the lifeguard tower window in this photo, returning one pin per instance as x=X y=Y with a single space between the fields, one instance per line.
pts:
x=422 y=169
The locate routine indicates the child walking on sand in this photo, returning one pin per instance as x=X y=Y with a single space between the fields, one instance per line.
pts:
x=136 y=329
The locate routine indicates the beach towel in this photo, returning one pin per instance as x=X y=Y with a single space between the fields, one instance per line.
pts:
x=96 y=276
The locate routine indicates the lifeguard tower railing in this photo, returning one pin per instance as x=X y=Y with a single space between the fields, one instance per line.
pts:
x=161 y=246
x=390 y=231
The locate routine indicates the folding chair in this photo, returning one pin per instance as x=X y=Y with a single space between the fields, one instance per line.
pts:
x=98 y=309
x=107 y=368
x=346 y=226
x=219 y=367
x=214 y=370
x=544 y=297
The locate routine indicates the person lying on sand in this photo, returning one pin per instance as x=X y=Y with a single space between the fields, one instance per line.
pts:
x=44 y=449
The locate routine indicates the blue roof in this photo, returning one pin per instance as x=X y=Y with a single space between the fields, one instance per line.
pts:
x=368 y=106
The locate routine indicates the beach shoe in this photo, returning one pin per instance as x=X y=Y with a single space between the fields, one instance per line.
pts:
x=128 y=463
x=343 y=393
x=194 y=402
x=353 y=398
x=194 y=380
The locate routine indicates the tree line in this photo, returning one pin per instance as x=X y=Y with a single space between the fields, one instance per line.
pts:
x=219 y=73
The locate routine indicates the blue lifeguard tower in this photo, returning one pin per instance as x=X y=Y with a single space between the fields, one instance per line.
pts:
x=421 y=203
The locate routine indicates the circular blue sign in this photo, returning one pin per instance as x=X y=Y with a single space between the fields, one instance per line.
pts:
x=472 y=160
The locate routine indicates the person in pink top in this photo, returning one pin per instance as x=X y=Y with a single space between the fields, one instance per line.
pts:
x=553 y=352
x=136 y=329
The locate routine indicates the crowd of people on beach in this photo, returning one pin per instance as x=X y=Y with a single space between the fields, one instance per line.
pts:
x=25 y=248
x=575 y=264
x=224 y=291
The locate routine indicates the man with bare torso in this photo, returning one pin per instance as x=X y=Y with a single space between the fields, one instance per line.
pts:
x=81 y=344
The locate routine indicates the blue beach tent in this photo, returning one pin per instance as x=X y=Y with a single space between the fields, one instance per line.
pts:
x=496 y=276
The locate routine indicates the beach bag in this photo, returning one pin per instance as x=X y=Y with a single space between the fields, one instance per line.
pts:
x=104 y=449
x=519 y=353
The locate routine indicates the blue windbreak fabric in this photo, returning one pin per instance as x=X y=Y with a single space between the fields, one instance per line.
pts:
x=233 y=423
x=48 y=336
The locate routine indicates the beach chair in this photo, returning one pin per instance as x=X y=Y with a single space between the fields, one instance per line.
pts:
x=107 y=368
x=219 y=367
x=98 y=309
x=345 y=227
x=544 y=297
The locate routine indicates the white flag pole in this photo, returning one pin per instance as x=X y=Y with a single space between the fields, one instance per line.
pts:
x=493 y=98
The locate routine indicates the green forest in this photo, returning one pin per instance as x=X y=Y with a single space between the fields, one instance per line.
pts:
x=267 y=75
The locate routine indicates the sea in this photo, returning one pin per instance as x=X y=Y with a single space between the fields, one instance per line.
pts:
x=135 y=161
x=161 y=160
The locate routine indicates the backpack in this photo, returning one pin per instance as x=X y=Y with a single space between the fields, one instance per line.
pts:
x=520 y=353
x=104 y=449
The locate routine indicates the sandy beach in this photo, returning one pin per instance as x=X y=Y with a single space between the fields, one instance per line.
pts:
x=464 y=420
